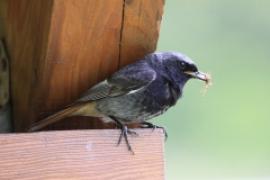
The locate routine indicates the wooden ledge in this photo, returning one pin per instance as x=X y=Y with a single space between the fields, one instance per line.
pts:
x=81 y=154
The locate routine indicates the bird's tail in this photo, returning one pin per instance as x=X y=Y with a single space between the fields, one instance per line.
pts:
x=69 y=111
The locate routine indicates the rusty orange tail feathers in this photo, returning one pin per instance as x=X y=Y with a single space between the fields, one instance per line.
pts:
x=67 y=112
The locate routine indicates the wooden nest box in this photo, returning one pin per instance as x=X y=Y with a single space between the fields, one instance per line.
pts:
x=57 y=50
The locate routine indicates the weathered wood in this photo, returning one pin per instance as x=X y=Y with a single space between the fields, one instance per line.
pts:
x=90 y=154
x=60 y=48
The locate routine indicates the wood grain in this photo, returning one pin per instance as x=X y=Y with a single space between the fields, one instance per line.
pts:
x=60 y=48
x=26 y=28
x=90 y=154
x=83 y=50
x=141 y=26
x=3 y=9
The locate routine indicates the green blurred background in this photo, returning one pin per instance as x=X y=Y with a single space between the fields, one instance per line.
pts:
x=224 y=134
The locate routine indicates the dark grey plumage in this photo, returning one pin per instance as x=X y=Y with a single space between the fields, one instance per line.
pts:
x=142 y=90
x=135 y=93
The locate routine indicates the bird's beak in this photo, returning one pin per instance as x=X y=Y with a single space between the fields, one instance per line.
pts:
x=198 y=75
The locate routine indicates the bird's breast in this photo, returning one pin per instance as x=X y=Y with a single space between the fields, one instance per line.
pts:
x=144 y=104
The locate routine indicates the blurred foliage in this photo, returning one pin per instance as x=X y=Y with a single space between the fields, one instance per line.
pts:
x=224 y=133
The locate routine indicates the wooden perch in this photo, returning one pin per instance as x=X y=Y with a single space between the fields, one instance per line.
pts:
x=60 y=48
x=90 y=154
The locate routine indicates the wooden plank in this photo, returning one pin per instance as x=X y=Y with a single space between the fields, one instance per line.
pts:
x=26 y=27
x=89 y=154
x=3 y=9
x=60 y=48
x=83 y=50
x=140 y=29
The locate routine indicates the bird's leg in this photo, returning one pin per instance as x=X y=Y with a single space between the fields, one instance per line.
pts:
x=150 y=125
x=124 y=133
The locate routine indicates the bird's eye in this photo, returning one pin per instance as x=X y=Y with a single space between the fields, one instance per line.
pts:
x=183 y=65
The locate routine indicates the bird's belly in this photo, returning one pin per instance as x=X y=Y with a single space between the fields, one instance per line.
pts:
x=131 y=107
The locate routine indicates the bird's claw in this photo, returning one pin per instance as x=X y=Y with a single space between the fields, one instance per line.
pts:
x=124 y=133
x=150 y=125
x=132 y=133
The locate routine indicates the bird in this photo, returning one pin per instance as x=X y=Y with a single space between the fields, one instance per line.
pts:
x=134 y=94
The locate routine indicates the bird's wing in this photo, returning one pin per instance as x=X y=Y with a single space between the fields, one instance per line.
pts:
x=129 y=79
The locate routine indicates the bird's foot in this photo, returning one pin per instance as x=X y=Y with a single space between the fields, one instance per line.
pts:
x=150 y=125
x=125 y=131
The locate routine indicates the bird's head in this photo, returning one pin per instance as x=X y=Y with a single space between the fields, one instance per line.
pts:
x=181 y=67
